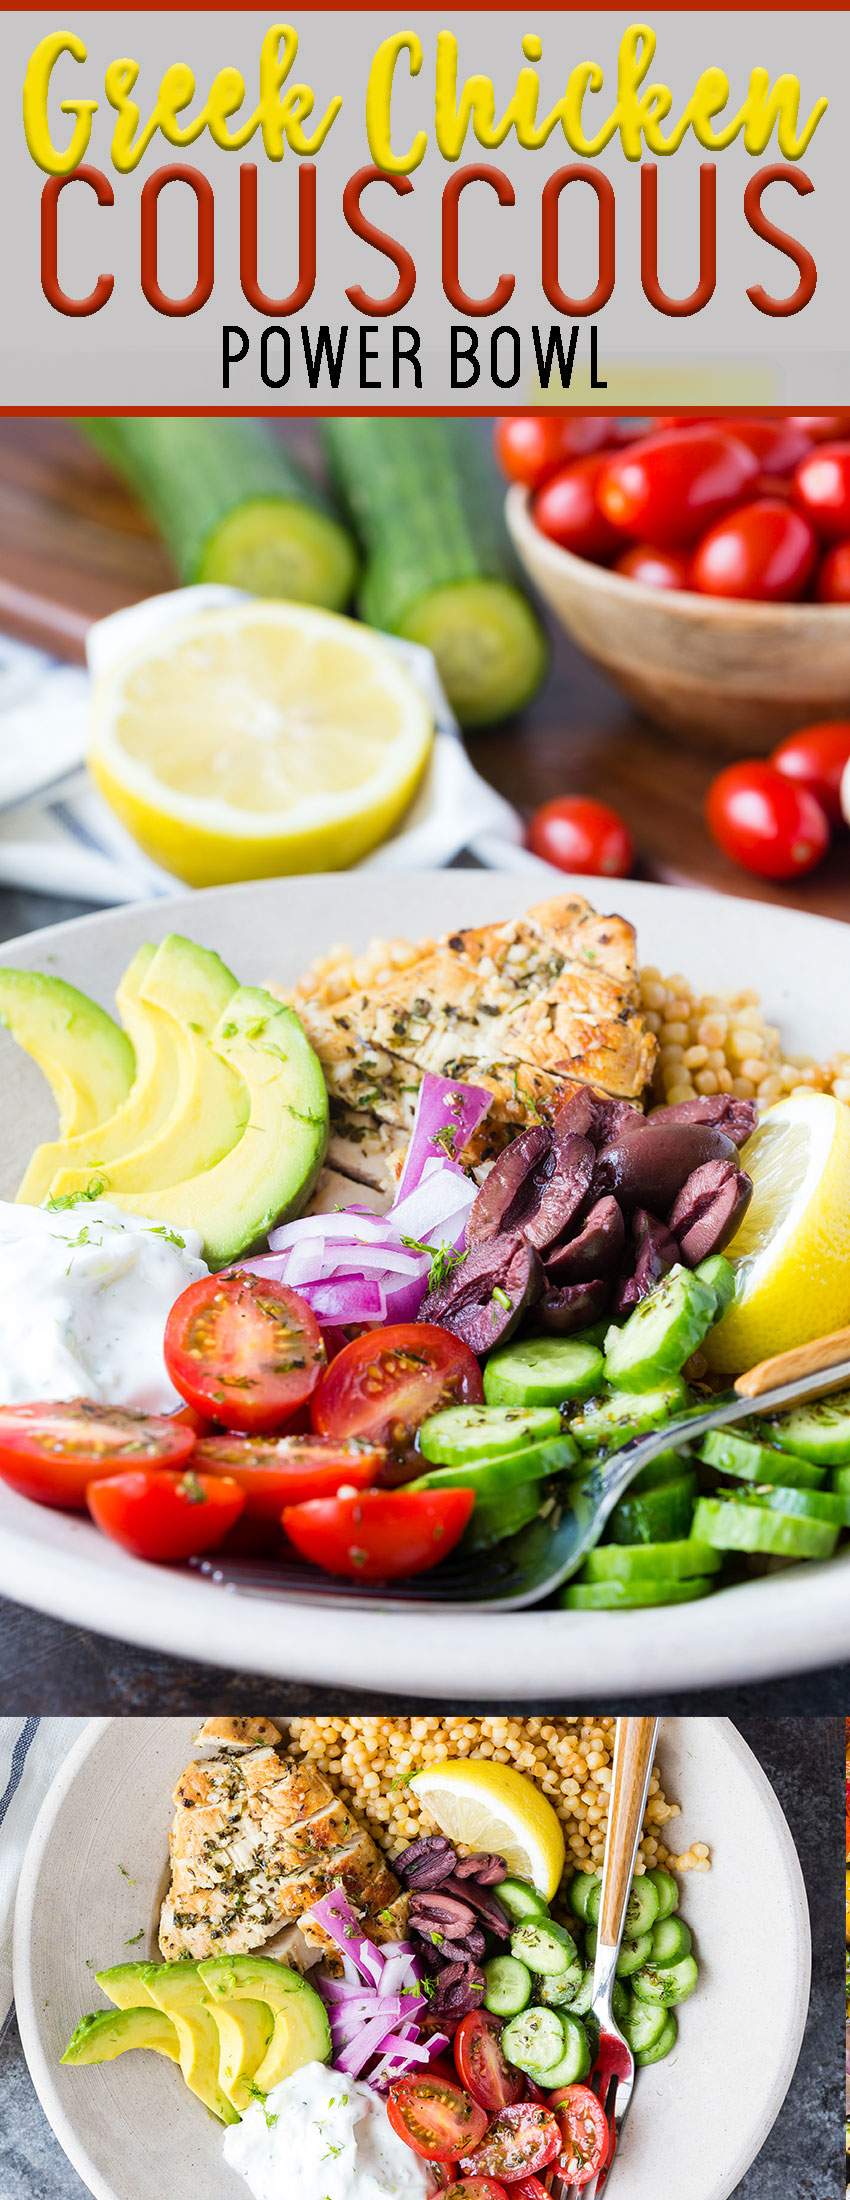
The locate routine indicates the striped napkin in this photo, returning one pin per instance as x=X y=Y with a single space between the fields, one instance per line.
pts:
x=31 y=1752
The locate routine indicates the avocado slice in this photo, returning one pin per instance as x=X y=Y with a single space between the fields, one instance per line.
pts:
x=192 y=987
x=301 y=2032
x=87 y=1059
x=147 y=1106
x=128 y=1984
x=110 y=2032
x=270 y=1172
x=177 y=1989
x=245 y=2029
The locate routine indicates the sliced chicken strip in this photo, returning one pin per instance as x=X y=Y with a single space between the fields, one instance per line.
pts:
x=239 y=1733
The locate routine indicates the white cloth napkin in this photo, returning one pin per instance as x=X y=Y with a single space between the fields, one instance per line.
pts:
x=31 y=1752
x=58 y=836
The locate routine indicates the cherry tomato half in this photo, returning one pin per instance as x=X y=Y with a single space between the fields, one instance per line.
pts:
x=833 y=581
x=436 y=2119
x=243 y=1349
x=584 y=2132
x=383 y=1385
x=822 y=489
x=520 y=2141
x=577 y=834
x=766 y=822
x=566 y=509
x=286 y=1470
x=165 y=1516
x=765 y=552
x=531 y=446
x=668 y=488
x=816 y=758
x=528 y=2188
x=481 y=2188
x=654 y=568
x=50 y=1451
x=379 y=1535
x=481 y=2066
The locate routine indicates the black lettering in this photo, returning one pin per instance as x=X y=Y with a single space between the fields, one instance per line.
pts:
x=231 y=358
x=324 y=352
x=502 y=381
x=274 y=381
x=595 y=384
x=466 y=357
x=368 y=356
x=410 y=354
x=555 y=346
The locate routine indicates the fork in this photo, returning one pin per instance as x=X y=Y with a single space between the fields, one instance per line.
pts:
x=613 y=2074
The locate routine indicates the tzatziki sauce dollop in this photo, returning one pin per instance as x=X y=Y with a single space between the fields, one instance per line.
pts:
x=323 y=2136
x=84 y=1296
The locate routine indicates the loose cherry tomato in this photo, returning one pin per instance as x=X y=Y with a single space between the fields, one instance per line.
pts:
x=384 y=1385
x=765 y=552
x=275 y=1471
x=243 y=1349
x=654 y=568
x=50 y=1451
x=822 y=489
x=668 y=488
x=816 y=758
x=165 y=1516
x=520 y=2141
x=584 y=2133
x=436 y=2119
x=481 y=2188
x=567 y=511
x=578 y=834
x=778 y=445
x=481 y=2066
x=833 y=581
x=531 y=446
x=766 y=822
x=379 y=1535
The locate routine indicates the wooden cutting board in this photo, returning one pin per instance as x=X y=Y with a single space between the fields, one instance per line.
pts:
x=74 y=546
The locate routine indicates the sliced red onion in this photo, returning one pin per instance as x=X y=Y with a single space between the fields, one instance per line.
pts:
x=369 y=2042
x=335 y=1915
x=441 y=1102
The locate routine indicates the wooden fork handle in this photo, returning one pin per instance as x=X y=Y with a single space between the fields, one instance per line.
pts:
x=788 y=1367
x=634 y=1749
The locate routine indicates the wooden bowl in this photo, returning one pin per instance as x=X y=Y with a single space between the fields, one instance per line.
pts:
x=717 y=674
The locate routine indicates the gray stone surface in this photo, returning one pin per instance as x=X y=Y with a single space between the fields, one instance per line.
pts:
x=803 y=2156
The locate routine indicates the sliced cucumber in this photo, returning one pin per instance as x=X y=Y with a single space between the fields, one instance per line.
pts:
x=655 y=1516
x=719 y=1274
x=534 y=2041
x=661 y=1333
x=751 y=1462
x=671 y=1941
x=542 y=1371
x=679 y=1561
x=667 y=1890
x=574 y=2063
x=830 y=1505
x=819 y=1431
x=583 y=1996
x=633 y=1953
x=672 y=1984
x=667 y=1466
x=643 y=2024
x=662 y=2046
x=615 y=1420
x=500 y=1470
x=544 y=1946
x=495 y=1518
x=520 y=1901
x=733 y=1522
x=632 y=1596
x=641 y=1908
x=461 y=1435
x=579 y=1892
x=507 y=1986
x=562 y=1987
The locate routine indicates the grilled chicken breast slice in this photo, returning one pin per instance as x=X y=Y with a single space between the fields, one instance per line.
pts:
x=238 y=1733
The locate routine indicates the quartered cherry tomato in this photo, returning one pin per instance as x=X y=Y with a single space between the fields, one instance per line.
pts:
x=275 y=1471
x=833 y=581
x=51 y=1451
x=481 y=2066
x=158 y=1514
x=379 y=1535
x=385 y=1384
x=566 y=509
x=654 y=568
x=520 y=2141
x=816 y=757
x=766 y=822
x=531 y=446
x=578 y=834
x=585 y=2134
x=764 y=551
x=242 y=1349
x=822 y=489
x=437 y=2120
x=668 y=488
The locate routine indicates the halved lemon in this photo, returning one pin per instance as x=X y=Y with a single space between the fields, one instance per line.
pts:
x=493 y=1807
x=259 y=739
x=791 y=1255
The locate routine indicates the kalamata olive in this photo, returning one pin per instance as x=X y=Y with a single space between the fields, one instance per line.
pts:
x=657 y=1253
x=596 y=1116
x=709 y=1208
x=647 y=1168
x=426 y=1862
x=473 y=1945
x=596 y=1249
x=509 y=1190
x=575 y=1306
x=484 y=1904
x=563 y=1193
x=485 y=1299
x=738 y=1118
x=487 y=1869
x=438 y=1911
x=459 y=1986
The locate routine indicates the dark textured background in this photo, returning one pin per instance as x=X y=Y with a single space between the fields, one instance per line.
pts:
x=803 y=2156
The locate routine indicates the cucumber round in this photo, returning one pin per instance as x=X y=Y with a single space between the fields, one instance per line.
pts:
x=544 y=1946
x=507 y=1987
x=542 y=1371
x=679 y=1561
x=574 y=2062
x=719 y=1274
x=752 y=1462
x=662 y=1515
x=488 y=1475
x=642 y=2024
x=675 y=1983
x=583 y=1996
x=628 y=1596
x=562 y=1987
x=832 y=1506
x=462 y=1435
x=519 y=1900
x=495 y=1518
x=733 y=1522
x=819 y=1431
x=579 y=1892
x=667 y=1890
x=661 y=1333
x=633 y=1953
x=534 y=2040
x=667 y=1466
x=613 y=1421
x=641 y=1908
x=666 y=2040
x=671 y=1941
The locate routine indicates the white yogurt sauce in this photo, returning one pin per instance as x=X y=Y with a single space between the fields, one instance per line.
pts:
x=84 y=1295
x=323 y=2136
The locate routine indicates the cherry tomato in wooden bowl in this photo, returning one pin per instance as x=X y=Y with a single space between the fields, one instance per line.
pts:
x=566 y=509
x=520 y=2141
x=816 y=758
x=765 y=821
x=50 y=1451
x=578 y=834
x=275 y=1471
x=584 y=2133
x=654 y=568
x=436 y=2119
x=243 y=1349
x=157 y=1514
x=481 y=2066
x=778 y=444
x=833 y=581
x=823 y=427
x=668 y=488
x=379 y=1535
x=764 y=552
x=531 y=446
x=385 y=1384
x=822 y=489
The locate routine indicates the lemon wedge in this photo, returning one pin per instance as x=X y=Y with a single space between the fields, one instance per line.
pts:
x=263 y=738
x=791 y=1255
x=493 y=1807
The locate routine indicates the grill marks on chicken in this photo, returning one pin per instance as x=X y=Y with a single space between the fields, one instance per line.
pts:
x=255 y=1841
